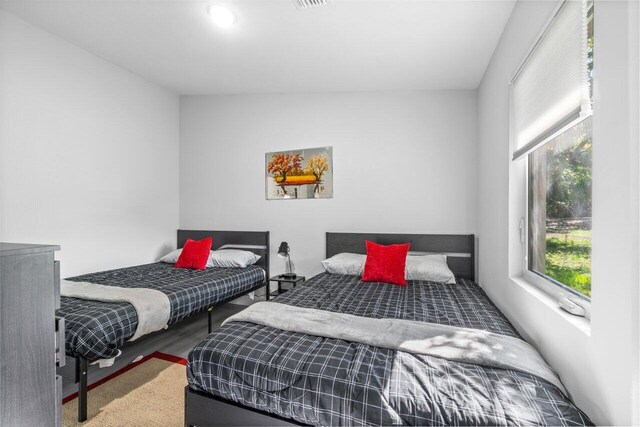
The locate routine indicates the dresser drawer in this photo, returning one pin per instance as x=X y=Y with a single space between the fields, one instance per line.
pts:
x=58 y=422
x=56 y=284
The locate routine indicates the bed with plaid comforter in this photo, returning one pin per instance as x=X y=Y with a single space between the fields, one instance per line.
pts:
x=96 y=330
x=323 y=381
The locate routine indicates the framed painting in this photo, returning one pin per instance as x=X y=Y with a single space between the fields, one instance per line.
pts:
x=299 y=174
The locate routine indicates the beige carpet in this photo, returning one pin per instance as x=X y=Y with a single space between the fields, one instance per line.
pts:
x=151 y=393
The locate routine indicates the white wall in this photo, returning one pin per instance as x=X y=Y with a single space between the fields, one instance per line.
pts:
x=403 y=162
x=88 y=153
x=598 y=362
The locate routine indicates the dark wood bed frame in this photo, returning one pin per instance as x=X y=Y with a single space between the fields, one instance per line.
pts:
x=254 y=241
x=202 y=409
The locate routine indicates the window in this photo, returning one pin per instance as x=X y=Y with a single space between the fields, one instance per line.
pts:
x=551 y=132
x=559 y=209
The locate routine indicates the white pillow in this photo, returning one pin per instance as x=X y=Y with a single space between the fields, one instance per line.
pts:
x=232 y=258
x=172 y=257
x=219 y=258
x=433 y=268
x=345 y=263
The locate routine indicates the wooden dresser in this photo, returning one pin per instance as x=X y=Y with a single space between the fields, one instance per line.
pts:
x=30 y=391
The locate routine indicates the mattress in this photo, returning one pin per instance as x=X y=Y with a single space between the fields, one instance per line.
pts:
x=323 y=381
x=95 y=330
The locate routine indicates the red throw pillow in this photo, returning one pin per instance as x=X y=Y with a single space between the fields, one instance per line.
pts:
x=386 y=263
x=195 y=254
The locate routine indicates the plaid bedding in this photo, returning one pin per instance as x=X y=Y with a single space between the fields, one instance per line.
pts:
x=95 y=329
x=324 y=381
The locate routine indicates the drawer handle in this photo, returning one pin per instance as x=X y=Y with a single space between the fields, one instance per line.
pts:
x=60 y=344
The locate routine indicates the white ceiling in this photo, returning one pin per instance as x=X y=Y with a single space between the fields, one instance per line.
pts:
x=276 y=48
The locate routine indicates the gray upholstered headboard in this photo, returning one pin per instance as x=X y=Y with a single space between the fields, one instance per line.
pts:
x=254 y=241
x=459 y=248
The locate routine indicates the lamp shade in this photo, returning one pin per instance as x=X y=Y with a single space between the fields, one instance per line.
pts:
x=283 y=250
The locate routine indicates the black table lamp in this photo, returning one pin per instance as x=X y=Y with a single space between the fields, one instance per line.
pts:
x=283 y=252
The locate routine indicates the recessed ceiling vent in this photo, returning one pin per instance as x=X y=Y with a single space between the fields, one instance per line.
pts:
x=309 y=4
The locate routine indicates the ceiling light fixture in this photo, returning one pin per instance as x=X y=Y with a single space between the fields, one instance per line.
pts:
x=307 y=4
x=222 y=16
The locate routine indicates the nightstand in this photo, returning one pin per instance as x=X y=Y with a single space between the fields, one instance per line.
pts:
x=281 y=279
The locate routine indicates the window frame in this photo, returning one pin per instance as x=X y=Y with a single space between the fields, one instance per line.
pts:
x=557 y=290
x=550 y=287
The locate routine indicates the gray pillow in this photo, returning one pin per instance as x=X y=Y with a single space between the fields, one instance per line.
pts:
x=432 y=268
x=345 y=263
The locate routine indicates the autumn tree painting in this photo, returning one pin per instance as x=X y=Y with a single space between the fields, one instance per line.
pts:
x=281 y=164
x=288 y=178
x=317 y=165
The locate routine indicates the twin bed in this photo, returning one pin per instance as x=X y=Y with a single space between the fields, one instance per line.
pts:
x=96 y=330
x=248 y=372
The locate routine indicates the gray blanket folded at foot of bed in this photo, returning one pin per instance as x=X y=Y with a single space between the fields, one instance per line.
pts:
x=153 y=307
x=448 y=342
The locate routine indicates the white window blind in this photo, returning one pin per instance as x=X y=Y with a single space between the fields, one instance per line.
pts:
x=550 y=91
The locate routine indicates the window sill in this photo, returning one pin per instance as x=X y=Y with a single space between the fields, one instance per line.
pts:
x=580 y=323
